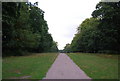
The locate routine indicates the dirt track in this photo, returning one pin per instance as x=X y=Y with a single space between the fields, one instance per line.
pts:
x=65 y=68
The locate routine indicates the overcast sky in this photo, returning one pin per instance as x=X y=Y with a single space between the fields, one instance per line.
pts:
x=64 y=16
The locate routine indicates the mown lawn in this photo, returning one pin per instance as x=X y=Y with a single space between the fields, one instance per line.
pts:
x=97 y=66
x=27 y=67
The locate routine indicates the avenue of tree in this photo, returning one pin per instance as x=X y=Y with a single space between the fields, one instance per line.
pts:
x=100 y=33
x=25 y=30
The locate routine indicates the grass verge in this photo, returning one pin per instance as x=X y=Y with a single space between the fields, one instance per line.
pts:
x=97 y=66
x=27 y=67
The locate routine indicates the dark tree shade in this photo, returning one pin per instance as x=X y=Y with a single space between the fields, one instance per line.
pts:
x=24 y=29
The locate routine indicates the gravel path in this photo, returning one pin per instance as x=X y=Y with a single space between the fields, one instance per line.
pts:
x=65 y=68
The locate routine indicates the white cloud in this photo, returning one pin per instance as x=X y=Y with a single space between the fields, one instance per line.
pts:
x=64 y=16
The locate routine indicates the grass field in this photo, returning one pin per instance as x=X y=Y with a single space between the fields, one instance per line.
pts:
x=27 y=67
x=97 y=66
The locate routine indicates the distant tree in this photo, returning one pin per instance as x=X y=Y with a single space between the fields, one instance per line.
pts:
x=67 y=48
x=54 y=47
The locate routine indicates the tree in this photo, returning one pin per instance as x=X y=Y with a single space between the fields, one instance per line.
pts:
x=101 y=32
x=24 y=29
x=67 y=48
x=86 y=38
x=109 y=27
x=40 y=27
x=54 y=47
x=8 y=22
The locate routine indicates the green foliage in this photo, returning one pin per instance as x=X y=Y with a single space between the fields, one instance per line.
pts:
x=54 y=47
x=67 y=48
x=109 y=15
x=85 y=39
x=101 y=32
x=24 y=29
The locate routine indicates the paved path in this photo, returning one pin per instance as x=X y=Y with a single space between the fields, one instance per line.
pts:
x=65 y=68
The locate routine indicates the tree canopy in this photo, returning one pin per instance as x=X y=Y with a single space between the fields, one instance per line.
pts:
x=25 y=29
x=100 y=33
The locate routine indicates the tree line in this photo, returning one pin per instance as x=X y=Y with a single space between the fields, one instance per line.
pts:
x=24 y=29
x=100 y=33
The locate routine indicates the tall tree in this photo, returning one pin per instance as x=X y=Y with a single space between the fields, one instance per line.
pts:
x=24 y=29
x=86 y=38
x=109 y=15
x=100 y=33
